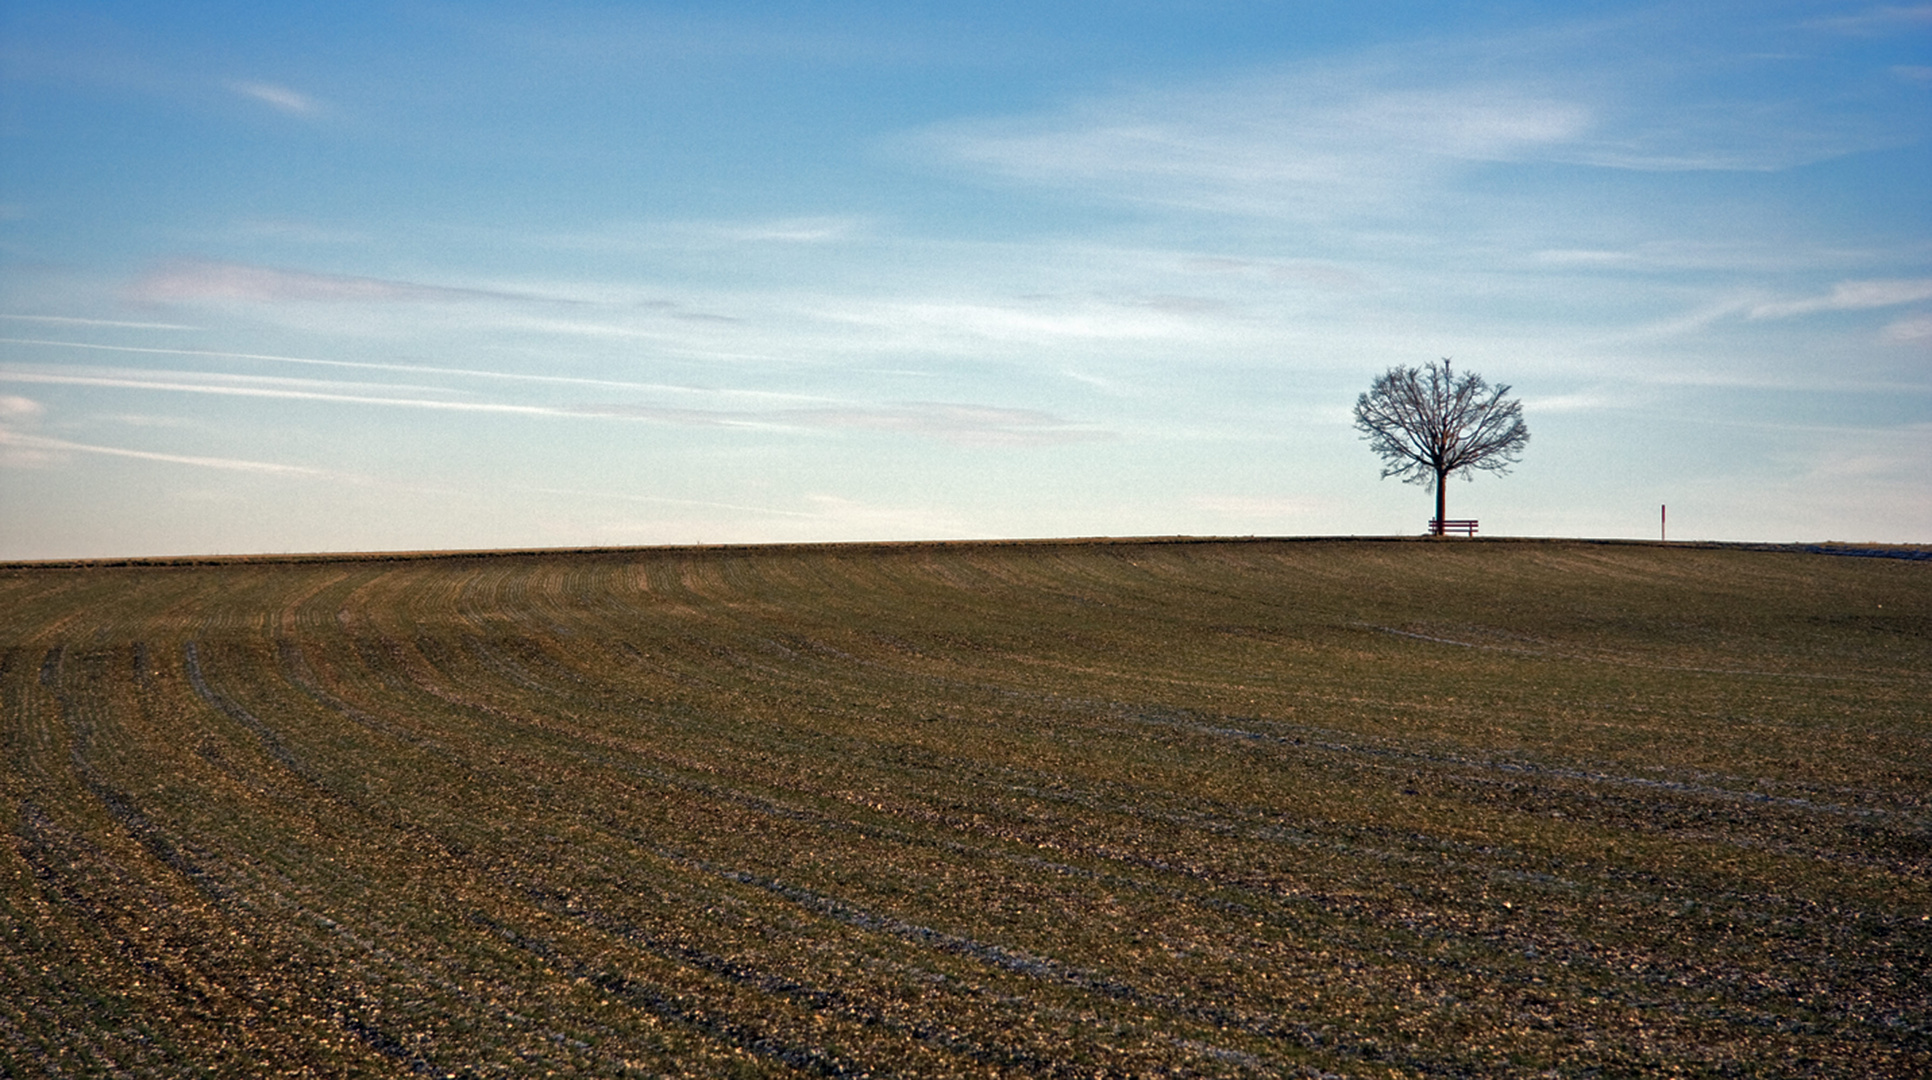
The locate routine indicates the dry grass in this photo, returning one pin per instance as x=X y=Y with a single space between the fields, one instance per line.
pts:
x=1465 y=808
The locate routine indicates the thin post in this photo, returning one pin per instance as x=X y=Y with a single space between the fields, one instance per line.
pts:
x=1663 y=522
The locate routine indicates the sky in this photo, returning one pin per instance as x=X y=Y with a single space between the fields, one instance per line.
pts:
x=426 y=275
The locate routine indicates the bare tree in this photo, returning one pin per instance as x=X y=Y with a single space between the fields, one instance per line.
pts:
x=1429 y=424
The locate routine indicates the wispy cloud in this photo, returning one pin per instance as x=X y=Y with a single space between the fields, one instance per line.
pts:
x=1375 y=130
x=970 y=425
x=1269 y=144
x=1578 y=402
x=277 y=97
x=1880 y=20
x=642 y=236
x=966 y=424
x=1679 y=253
x=1584 y=257
x=202 y=383
x=67 y=320
x=18 y=416
x=1914 y=328
x=932 y=323
x=1326 y=277
x=1695 y=321
x=37 y=444
x=423 y=370
x=802 y=230
x=963 y=424
x=14 y=409
x=190 y=280
x=20 y=447
x=1851 y=296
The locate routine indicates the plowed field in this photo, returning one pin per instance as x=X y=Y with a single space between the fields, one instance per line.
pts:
x=1055 y=809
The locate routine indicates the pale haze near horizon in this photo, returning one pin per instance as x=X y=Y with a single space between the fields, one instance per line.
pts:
x=431 y=276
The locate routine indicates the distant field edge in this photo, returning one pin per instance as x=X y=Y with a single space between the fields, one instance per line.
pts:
x=1910 y=552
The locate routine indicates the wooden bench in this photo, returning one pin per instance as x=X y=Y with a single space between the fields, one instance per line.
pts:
x=1438 y=528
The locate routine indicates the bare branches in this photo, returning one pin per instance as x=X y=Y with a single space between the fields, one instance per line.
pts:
x=1428 y=424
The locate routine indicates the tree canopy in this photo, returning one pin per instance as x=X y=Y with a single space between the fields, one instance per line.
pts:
x=1430 y=423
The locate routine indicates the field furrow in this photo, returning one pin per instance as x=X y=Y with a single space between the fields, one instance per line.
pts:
x=1042 y=809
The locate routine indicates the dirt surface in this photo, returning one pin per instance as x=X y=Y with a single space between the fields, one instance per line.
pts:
x=1085 y=809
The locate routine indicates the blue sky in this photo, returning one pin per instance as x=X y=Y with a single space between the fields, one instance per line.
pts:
x=433 y=275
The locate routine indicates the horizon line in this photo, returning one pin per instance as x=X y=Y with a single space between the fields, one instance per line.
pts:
x=1909 y=551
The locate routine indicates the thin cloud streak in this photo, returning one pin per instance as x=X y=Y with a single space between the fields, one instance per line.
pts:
x=1389 y=127
x=421 y=369
x=125 y=383
x=196 y=280
x=808 y=230
x=1851 y=296
x=1285 y=146
x=278 y=97
x=1916 y=328
x=1880 y=21
x=67 y=320
x=36 y=442
x=14 y=409
x=1005 y=323
x=966 y=424
x=220 y=378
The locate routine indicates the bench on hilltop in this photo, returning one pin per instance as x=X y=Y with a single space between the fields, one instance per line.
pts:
x=1438 y=528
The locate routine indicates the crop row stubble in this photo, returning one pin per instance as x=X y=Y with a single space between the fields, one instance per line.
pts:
x=1194 y=809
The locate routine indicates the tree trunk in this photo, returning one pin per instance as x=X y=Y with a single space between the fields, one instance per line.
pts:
x=1442 y=499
